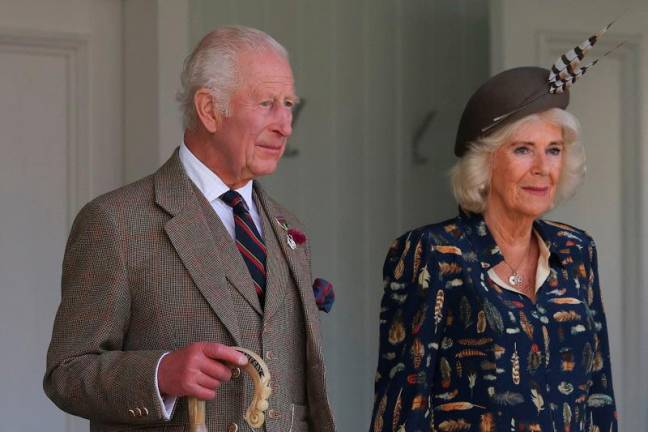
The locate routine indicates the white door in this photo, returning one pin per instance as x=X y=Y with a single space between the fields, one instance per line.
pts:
x=608 y=102
x=60 y=144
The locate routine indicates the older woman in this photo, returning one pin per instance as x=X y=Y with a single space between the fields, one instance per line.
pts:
x=492 y=321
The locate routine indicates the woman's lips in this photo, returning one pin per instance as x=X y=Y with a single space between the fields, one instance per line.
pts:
x=536 y=190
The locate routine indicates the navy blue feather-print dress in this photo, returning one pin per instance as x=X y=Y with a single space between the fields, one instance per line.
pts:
x=459 y=353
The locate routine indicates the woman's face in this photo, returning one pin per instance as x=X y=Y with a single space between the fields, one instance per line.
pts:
x=525 y=170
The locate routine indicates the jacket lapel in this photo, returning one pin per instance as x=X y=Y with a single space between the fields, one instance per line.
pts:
x=298 y=264
x=191 y=237
x=277 y=278
x=230 y=260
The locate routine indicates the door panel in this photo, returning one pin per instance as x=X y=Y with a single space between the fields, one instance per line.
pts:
x=33 y=192
x=60 y=117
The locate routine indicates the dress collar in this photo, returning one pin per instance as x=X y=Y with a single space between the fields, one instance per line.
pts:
x=556 y=238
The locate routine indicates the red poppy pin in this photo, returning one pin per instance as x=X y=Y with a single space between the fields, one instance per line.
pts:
x=294 y=237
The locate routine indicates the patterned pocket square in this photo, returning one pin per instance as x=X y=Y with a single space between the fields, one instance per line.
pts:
x=324 y=294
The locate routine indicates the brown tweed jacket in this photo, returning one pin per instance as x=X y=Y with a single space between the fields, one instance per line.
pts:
x=143 y=274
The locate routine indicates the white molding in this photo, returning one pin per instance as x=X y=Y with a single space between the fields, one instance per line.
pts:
x=552 y=44
x=73 y=49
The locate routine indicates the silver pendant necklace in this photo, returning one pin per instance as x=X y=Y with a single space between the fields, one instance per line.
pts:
x=516 y=279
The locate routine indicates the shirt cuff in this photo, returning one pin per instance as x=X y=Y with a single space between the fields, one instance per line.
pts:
x=167 y=403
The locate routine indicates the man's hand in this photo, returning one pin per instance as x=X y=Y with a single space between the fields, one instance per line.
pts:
x=197 y=369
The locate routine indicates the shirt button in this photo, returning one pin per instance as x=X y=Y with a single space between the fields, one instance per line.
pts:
x=236 y=372
x=273 y=414
x=232 y=427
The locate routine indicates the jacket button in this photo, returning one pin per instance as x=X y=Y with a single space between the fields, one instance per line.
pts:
x=131 y=412
x=236 y=372
x=273 y=414
x=270 y=355
x=232 y=427
x=138 y=412
x=146 y=411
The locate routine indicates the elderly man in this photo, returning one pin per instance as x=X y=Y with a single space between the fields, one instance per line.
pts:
x=161 y=278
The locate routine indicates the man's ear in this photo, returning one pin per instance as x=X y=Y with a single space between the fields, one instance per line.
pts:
x=207 y=110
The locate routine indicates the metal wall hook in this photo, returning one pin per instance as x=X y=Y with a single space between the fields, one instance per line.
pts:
x=417 y=137
x=290 y=150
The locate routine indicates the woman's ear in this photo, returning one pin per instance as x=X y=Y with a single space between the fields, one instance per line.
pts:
x=207 y=110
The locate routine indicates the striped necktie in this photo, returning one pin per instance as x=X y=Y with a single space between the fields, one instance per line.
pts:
x=248 y=241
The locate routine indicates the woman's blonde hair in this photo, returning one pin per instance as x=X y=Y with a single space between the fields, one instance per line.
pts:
x=471 y=175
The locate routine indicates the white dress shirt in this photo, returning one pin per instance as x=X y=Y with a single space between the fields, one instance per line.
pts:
x=212 y=187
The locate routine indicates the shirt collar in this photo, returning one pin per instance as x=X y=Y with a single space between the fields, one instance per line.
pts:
x=542 y=271
x=488 y=251
x=207 y=181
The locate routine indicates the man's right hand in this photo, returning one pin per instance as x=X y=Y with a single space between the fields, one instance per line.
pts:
x=197 y=369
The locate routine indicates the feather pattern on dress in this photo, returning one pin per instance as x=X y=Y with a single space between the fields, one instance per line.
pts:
x=418 y=251
x=424 y=278
x=438 y=309
x=567 y=416
x=537 y=400
x=400 y=267
x=486 y=423
x=446 y=372
x=457 y=406
x=493 y=317
x=545 y=334
x=515 y=366
x=454 y=425
x=465 y=311
x=508 y=398
x=526 y=325
x=481 y=322
x=397 y=410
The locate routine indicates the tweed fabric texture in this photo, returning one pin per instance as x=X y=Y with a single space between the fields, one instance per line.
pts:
x=142 y=275
x=277 y=333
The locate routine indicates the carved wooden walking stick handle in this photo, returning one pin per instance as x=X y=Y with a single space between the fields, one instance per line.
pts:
x=258 y=371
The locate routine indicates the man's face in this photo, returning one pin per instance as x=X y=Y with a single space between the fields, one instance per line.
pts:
x=253 y=138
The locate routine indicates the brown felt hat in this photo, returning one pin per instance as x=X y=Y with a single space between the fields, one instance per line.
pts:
x=505 y=98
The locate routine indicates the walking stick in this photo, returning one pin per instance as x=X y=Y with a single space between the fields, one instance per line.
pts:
x=258 y=371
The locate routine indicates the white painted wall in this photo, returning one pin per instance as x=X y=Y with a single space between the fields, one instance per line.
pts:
x=61 y=144
x=156 y=42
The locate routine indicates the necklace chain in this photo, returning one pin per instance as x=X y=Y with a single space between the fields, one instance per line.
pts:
x=516 y=279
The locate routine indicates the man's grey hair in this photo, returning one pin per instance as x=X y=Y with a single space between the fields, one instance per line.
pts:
x=471 y=175
x=213 y=65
